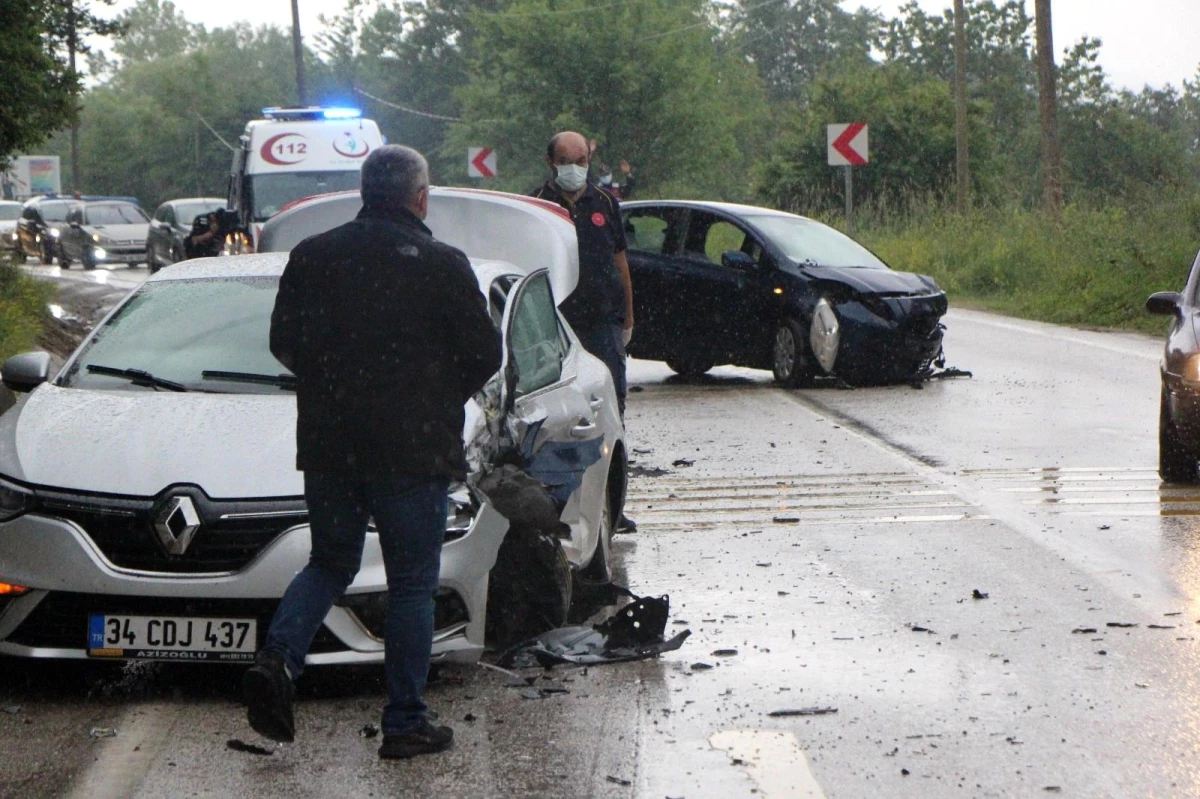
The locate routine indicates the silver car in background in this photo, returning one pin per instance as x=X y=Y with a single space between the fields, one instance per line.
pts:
x=149 y=503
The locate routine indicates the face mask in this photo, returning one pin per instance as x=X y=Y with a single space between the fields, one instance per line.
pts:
x=571 y=177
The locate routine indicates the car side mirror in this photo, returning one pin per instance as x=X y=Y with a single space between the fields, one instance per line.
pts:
x=26 y=372
x=1164 y=303
x=736 y=259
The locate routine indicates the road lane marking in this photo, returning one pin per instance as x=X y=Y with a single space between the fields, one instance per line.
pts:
x=143 y=732
x=773 y=759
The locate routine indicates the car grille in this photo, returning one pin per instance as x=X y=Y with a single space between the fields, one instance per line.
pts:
x=230 y=535
x=61 y=619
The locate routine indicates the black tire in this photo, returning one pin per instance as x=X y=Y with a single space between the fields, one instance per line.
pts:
x=1175 y=463
x=599 y=568
x=790 y=362
x=87 y=258
x=690 y=366
x=529 y=589
x=46 y=251
x=63 y=261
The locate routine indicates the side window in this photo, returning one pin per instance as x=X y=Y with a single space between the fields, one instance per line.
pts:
x=29 y=213
x=161 y=214
x=646 y=230
x=169 y=215
x=498 y=297
x=534 y=339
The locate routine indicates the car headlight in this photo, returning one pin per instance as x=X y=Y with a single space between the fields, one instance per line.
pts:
x=55 y=232
x=96 y=237
x=460 y=511
x=14 y=500
x=1191 y=369
x=99 y=253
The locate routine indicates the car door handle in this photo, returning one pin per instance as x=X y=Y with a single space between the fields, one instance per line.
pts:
x=583 y=429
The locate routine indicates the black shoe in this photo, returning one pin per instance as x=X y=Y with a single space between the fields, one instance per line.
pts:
x=424 y=740
x=626 y=525
x=267 y=690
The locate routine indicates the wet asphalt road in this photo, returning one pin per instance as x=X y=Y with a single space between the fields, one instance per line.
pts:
x=834 y=539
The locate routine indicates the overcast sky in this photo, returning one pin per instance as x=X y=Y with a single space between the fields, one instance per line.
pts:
x=1145 y=41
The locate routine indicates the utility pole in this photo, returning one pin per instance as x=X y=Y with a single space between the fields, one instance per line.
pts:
x=1048 y=110
x=960 y=106
x=298 y=53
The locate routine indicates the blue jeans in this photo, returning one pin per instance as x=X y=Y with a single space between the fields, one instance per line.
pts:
x=410 y=514
x=607 y=342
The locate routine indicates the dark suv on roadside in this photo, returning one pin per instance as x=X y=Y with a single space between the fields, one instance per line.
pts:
x=40 y=226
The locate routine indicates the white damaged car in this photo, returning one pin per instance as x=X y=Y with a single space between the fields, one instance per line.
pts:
x=149 y=502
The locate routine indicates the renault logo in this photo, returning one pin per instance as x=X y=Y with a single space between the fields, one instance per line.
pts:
x=176 y=524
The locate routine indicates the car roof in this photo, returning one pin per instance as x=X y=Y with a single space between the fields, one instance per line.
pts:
x=271 y=264
x=734 y=209
x=196 y=200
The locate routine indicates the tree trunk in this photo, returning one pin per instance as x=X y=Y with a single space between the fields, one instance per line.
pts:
x=960 y=106
x=76 y=177
x=1048 y=110
x=298 y=53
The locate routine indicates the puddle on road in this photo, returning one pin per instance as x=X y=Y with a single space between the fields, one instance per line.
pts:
x=773 y=759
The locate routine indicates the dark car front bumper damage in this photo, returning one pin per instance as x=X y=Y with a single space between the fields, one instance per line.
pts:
x=889 y=339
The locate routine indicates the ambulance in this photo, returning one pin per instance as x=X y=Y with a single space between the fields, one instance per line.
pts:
x=294 y=153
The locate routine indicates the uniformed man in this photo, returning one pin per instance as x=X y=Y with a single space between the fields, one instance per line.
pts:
x=600 y=309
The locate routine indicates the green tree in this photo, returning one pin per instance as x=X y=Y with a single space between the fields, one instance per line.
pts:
x=645 y=79
x=37 y=90
x=911 y=138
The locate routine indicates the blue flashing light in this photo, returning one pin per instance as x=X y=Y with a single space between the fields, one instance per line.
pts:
x=312 y=112
x=342 y=113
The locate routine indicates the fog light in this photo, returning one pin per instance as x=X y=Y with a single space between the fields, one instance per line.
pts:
x=99 y=253
x=8 y=589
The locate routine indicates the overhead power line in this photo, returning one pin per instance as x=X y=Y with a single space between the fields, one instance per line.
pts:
x=408 y=110
x=213 y=132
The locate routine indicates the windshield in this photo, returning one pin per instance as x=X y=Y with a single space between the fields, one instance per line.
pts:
x=273 y=191
x=10 y=212
x=177 y=329
x=186 y=213
x=54 y=212
x=115 y=214
x=810 y=243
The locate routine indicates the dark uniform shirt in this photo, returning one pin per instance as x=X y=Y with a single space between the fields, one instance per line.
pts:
x=599 y=297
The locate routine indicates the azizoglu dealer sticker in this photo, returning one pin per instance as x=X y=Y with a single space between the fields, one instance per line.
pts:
x=171 y=638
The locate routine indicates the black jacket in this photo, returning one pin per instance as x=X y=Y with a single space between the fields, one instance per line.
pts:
x=388 y=335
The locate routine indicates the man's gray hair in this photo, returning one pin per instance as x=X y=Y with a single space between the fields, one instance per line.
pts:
x=392 y=175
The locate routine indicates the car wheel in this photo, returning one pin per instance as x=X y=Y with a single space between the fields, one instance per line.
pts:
x=789 y=362
x=529 y=588
x=63 y=260
x=690 y=366
x=1175 y=463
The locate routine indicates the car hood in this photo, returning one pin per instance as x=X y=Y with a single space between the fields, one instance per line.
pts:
x=121 y=232
x=874 y=281
x=8 y=226
x=137 y=443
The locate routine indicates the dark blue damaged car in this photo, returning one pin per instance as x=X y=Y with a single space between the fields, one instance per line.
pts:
x=717 y=283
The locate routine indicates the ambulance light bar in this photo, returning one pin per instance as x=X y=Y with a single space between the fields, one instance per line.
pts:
x=312 y=112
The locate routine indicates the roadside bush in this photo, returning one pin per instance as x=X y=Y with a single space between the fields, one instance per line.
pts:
x=1095 y=268
x=22 y=309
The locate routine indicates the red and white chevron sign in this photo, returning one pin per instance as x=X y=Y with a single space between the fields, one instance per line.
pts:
x=481 y=162
x=847 y=144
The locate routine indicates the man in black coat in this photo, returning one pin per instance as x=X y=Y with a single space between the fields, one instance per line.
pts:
x=388 y=335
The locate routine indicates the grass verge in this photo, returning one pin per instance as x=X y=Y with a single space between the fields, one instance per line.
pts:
x=22 y=308
x=1093 y=268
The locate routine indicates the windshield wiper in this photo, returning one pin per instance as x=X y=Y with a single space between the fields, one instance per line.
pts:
x=285 y=382
x=139 y=377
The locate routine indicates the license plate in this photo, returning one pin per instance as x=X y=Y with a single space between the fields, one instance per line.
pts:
x=171 y=638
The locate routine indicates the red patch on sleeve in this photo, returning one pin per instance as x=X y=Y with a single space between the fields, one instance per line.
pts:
x=598 y=219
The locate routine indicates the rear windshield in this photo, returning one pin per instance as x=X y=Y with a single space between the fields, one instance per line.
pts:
x=179 y=328
x=10 y=212
x=273 y=191
x=810 y=243
x=54 y=212
x=186 y=213
x=115 y=214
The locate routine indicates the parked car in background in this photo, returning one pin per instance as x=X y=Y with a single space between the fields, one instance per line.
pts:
x=150 y=506
x=171 y=224
x=105 y=231
x=716 y=283
x=40 y=226
x=10 y=212
x=1179 y=402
